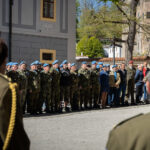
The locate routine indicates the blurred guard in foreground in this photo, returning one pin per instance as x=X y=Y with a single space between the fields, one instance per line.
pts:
x=133 y=133
x=12 y=133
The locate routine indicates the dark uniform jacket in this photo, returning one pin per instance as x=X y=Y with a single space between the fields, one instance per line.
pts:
x=19 y=139
x=65 y=79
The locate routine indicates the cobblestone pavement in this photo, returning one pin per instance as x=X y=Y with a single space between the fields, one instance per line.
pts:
x=86 y=130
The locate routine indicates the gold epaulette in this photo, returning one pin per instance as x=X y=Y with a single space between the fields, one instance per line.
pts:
x=11 y=125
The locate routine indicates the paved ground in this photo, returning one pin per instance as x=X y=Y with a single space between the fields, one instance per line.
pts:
x=87 y=130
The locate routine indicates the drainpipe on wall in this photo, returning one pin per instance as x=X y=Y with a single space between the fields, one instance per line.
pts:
x=10 y=28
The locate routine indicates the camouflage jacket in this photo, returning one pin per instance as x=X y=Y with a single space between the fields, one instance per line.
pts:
x=23 y=79
x=95 y=75
x=84 y=77
x=131 y=73
x=55 y=77
x=74 y=78
x=46 y=80
x=34 y=81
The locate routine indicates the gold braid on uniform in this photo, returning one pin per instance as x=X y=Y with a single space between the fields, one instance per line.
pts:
x=12 y=116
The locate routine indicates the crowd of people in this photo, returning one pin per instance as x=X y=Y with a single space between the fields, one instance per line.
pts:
x=61 y=88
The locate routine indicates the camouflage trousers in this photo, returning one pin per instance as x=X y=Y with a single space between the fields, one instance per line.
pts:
x=34 y=97
x=95 y=93
x=75 y=98
x=55 y=99
x=130 y=90
x=23 y=96
x=84 y=96
x=46 y=97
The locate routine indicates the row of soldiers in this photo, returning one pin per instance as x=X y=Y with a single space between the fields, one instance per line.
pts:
x=59 y=87
x=64 y=88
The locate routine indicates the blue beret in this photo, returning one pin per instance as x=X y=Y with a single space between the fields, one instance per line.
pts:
x=22 y=62
x=8 y=64
x=108 y=65
x=55 y=62
x=73 y=64
x=94 y=62
x=114 y=66
x=45 y=65
x=97 y=67
x=15 y=63
x=104 y=65
x=84 y=62
x=37 y=62
x=64 y=62
x=100 y=63
x=61 y=65
x=34 y=63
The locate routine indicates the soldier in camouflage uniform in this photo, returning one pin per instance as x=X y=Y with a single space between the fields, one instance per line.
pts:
x=84 y=84
x=8 y=67
x=74 y=88
x=34 y=86
x=13 y=73
x=55 y=72
x=65 y=85
x=15 y=76
x=40 y=100
x=130 y=83
x=24 y=82
x=95 y=85
x=46 y=80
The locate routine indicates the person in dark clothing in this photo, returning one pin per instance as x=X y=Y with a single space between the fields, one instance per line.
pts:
x=65 y=85
x=122 y=88
x=139 y=83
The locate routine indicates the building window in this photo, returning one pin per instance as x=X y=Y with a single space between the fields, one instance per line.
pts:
x=48 y=10
x=47 y=56
x=148 y=15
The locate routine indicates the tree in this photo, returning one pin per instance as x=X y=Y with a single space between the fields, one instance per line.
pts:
x=92 y=22
x=129 y=19
x=90 y=47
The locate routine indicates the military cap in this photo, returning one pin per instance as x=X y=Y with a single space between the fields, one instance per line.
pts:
x=8 y=64
x=61 y=65
x=22 y=62
x=97 y=67
x=55 y=62
x=73 y=64
x=131 y=62
x=114 y=66
x=104 y=65
x=100 y=63
x=39 y=63
x=64 y=62
x=45 y=65
x=15 y=63
x=108 y=65
x=94 y=62
x=84 y=62
x=34 y=63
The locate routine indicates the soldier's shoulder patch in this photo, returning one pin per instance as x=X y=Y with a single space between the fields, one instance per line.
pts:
x=126 y=120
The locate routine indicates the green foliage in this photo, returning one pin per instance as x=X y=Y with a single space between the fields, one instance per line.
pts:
x=98 y=22
x=90 y=47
